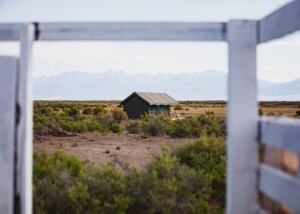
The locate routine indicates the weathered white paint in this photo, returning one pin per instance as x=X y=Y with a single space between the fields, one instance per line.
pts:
x=280 y=186
x=24 y=187
x=280 y=132
x=8 y=82
x=242 y=118
x=152 y=31
x=9 y=32
x=283 y=21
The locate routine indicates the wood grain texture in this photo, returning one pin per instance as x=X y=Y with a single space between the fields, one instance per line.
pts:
x=280 y=132
x=126 y=31
x=280 y=186
x=281 y=22
x=242 y=118
x=8 y=82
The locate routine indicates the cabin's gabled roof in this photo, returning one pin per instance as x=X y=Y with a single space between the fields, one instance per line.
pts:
x=153 y=98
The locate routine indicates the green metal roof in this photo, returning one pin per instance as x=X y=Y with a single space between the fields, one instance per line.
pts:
x=153 y=98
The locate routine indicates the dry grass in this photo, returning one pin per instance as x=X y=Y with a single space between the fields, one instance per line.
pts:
x=100 y=147
x=219 y=108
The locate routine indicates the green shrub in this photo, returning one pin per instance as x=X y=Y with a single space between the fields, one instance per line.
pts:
x=145 y=117
x=106 y=119
x=52 y=178
x=39 y=119
x=208 y=155
x=99 y=110
x=67 y=126
x=144 y=136
x=166 y=186
x=63 y=184
x=87 y=110
x=115 y=128
x=79 y=127
x=74 y=145
x=133 y=127
x=119 y=115
x=196 y=126
x=154 y=125
x=46 y=111
x=72 y=111
x=94 y=126
x=169 y=130
x=184 y=128
x=178 y=107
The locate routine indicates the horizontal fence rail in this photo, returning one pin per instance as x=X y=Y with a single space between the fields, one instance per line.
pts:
x=283 y=21
x=152 y=31
x=280 y=132
x=10 y=32
x=280 y=186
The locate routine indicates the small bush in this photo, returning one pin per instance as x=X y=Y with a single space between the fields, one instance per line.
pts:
x=74 y=145
x=73 y=111
x=169 y=130
x=94 y=126
x=79 y=127
x=155 y=126
x=115 y=128
x=133 y=127
x=46 y=111
x=178 y=107
x=106 y=119
x=208 y=155
x=118 y=148
x=64 y=184
x=87 y=110
x=144 y=136
x=187 y=127
x=99 y=110
x=119 y=115
x=297 y=113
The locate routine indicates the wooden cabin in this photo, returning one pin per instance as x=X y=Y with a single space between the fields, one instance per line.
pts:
x=139 y=103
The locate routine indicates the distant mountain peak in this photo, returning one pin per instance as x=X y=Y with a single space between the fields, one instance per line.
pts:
x=116 y=85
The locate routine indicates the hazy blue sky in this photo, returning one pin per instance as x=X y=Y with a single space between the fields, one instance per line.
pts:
x=277 y=61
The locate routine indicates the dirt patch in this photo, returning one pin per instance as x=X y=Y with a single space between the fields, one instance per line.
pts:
x=100 y=148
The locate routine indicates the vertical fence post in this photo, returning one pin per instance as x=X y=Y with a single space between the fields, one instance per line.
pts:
x=8 y=82
x=242 y=118
x=24 y=135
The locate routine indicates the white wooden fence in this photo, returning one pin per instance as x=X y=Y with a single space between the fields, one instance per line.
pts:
x=245 y=176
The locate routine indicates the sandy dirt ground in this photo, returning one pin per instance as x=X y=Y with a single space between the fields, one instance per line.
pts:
x=100 y=148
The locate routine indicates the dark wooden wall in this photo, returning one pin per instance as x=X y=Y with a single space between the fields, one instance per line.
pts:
x=135 y=107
